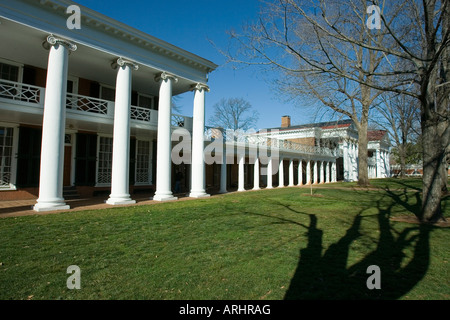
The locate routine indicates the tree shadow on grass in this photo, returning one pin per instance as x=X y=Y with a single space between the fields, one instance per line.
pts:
x=327 y=275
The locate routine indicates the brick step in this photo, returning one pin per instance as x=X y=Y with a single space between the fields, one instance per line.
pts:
x=70 y=192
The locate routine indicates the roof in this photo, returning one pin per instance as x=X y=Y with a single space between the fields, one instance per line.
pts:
x=323 y=125
x=375 y=135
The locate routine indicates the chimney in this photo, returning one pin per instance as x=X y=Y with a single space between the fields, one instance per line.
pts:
x=285 y=121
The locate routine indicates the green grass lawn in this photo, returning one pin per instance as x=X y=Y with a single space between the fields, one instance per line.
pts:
x=270 y=244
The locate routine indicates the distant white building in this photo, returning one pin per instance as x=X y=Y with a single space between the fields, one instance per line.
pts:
x=342 y=137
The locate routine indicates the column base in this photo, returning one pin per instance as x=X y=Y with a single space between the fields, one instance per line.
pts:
x=241 y=190
x=164 y=197
x=199 y=195
x=50 y=206
x=223 y=191
x=256 y=188
x=119 y=201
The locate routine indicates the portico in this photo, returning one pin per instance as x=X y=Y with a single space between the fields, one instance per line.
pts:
x=101 y=99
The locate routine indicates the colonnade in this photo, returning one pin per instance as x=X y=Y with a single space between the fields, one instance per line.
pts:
x=53 y=129
x=317 y=172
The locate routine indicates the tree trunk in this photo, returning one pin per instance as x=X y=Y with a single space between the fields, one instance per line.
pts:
x=363 y=173
x=433 y=161
x=402 y=154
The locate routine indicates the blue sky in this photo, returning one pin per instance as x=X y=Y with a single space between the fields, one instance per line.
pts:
x=191 y=25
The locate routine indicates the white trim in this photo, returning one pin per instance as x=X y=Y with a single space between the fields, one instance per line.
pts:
x=75 y=81
x=149 y=169
x=99 y=135
x=14 y=148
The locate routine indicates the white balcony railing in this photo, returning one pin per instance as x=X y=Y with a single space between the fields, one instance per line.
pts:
x=22 y=93
x=87 y=104
x=141 y=114
x=264 y=141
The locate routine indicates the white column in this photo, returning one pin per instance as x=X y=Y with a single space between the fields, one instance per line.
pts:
x=223 y=169
x=328 y=169
x=241 y=173
x=256 y=175
x=346 y=159
x=355 y=162
x=333 y=172
x=198 y=143
x=121 y=141
x=269 y=174
x=316 y=173
x=53 y=128
x=322 y=171
x=388 y=164
x=300 y=172
x=291 y=173
x=281 y=173
x=378 y=163
x=164 y=145
x=308 y=172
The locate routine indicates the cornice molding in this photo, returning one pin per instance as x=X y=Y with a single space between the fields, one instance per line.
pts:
x=128 y=33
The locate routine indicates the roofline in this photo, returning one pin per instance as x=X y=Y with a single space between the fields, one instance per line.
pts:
x=105 y=23
x=319 y=125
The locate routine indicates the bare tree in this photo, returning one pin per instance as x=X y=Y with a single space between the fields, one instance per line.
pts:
x=338 y=41
x=400 y=116
x=234 y=113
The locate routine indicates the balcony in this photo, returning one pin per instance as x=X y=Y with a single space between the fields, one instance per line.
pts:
x=79 y=106
x=266 y=142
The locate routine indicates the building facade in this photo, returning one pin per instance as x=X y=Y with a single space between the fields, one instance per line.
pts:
x=89 y=108
x=342 y=137
x=89 y=111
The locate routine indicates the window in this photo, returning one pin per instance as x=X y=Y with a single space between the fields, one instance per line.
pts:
x=9 y=72
x=104 y=160
x=145 y=101
x=6 y=145
x=143 y=162
x=107 y=93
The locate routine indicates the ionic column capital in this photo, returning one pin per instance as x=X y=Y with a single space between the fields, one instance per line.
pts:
x=200 y=86
x=123 y=62
x=52 y=40
x=165 y=76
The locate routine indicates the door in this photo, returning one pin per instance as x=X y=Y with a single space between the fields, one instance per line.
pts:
x=67 y=165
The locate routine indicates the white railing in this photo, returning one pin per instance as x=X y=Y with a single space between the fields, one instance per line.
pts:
x=21 y=92
x=264 y=141
x=142 y=114
x=181 y=121
x=76 y=103
x=86 y=104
